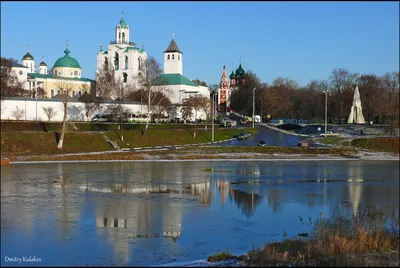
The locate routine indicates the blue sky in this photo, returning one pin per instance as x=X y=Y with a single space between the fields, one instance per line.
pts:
x=299 y=40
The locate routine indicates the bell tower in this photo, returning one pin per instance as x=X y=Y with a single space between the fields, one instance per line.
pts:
x=122 y=31
x=173 y=59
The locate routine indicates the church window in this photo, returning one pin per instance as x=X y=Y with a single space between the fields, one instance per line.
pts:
x=179 y=58
x=168 y=57
x=116 y=61
x=106 y=64
x=125 y=77
x=52 y=93
x=173 y=56
x=126 y=62
x=85 y=91
x=58 y=92
x=20 y=73
x=123 y=37
x=139 y=64
x=80 y=93
x=75 y=72
x=34 y=84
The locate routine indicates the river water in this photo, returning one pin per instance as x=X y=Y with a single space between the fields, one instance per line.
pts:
x=152 y=213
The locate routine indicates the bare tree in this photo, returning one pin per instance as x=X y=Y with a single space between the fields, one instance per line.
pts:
x=105 y=82
x=65 y=90
x=90 y=104
x=341 y=82
x=391 y=85
x=50 y=112
x=18 y=113
x=195 y=103
x=205 y=105
x=151 y=84
x=9 y=84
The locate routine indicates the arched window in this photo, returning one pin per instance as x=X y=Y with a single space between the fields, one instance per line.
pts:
x=85 y=91
x=116 y=61
x=123 y=37
x=125 y=77
x=119 y=37
x=168 y=57
x=139 y=64
x=126 y=62
x=173 y=56
x=106 y=64
x=52 y=93
x=58 y=92
x=179 y=58
x=76 y=73
x=80 y=93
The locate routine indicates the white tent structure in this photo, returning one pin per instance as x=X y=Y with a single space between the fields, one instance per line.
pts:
x=356 y=115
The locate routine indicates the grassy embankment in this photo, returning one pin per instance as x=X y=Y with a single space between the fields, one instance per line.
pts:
x=338 y=241
x=29 y=138
x=378 y=144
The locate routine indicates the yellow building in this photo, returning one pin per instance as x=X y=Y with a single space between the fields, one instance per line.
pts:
x=65 y=74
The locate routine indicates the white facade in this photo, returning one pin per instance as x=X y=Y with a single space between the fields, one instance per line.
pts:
x=33 y=109
x=22 y=75
x=123 y=56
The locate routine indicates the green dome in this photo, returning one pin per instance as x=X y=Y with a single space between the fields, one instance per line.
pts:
x=28 y=56
x=67 y=61
x=232 y=76
x=240 y=70
x=123 y=23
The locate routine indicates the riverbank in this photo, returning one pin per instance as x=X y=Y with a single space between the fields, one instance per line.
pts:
x=338 y=241
x=215 y=153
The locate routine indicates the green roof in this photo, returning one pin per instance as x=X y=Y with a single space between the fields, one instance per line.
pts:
x=28 y=56
x=52 y=76
x=123 y=23
x=67 y=61
x=240 y=70
x=134 y=48
x=232 y=76
x=177 y=79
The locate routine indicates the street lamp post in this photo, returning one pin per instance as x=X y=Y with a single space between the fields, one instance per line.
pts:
x=326 y=110
x=36 y=105
x=213 y=116
x=254 y=90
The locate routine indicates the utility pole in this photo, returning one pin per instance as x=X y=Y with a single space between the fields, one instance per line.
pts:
x=326 y=110
x=254 y=90
x=213 y=116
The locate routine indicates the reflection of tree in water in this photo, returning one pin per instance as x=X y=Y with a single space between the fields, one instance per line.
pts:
x=246 y=202
x=274 y=197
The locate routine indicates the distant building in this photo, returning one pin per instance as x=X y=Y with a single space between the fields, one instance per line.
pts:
x=225 y=88
x=47 y=84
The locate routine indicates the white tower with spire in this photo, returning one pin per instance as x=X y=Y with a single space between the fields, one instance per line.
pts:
x=356 y=114
x=122 y=57
x=29 y=61
x=122 y=31
x=43 y=67
x=173 y=59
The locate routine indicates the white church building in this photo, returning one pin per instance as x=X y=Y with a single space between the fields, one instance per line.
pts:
x=126 y=59
x=123 y=56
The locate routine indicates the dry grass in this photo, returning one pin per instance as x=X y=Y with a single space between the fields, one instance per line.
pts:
x=335 y=242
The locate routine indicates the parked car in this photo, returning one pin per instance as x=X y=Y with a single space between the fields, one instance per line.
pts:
x=102 y=118
x=302 y=144
x=262 y=143
x=242 y=136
